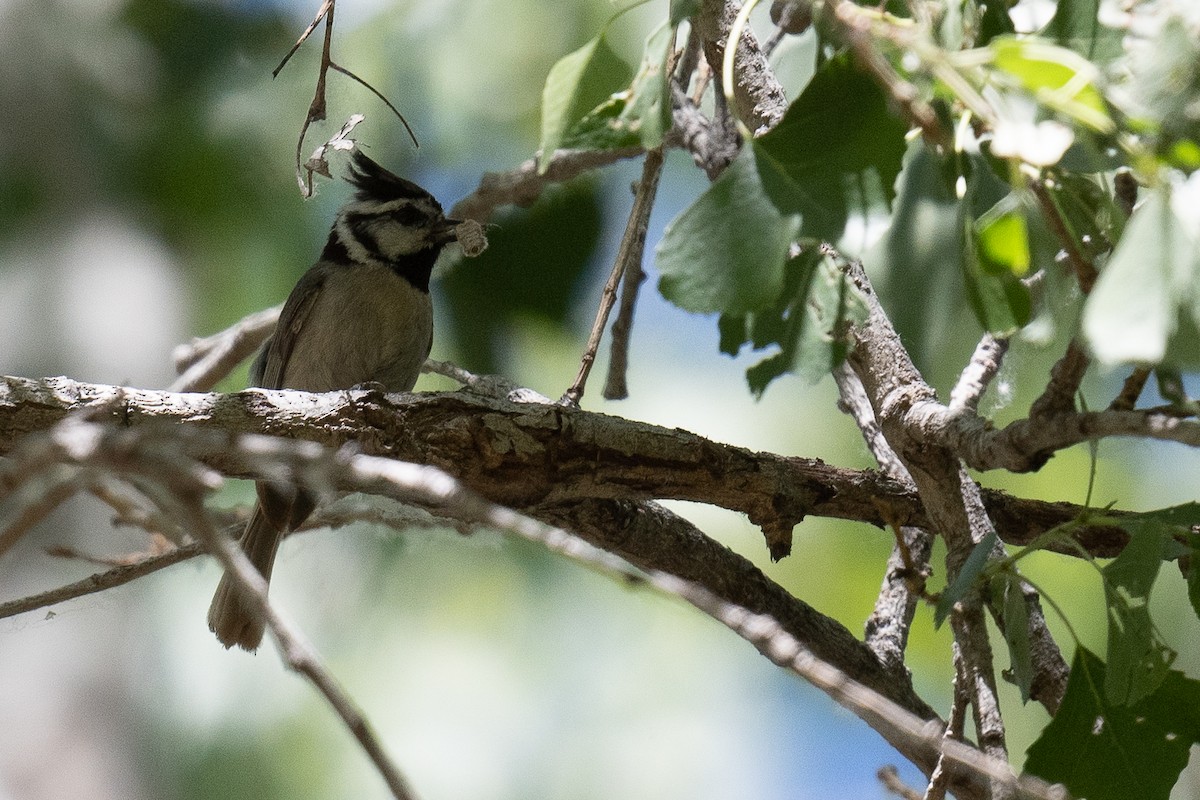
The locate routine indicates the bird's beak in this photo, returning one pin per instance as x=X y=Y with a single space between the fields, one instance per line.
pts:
x=447 y=230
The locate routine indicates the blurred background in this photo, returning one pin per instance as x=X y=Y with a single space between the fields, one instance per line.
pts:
x=147 y=195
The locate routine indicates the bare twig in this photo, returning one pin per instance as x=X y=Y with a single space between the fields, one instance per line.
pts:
x=615 y=386
x=1065 y=379
x=979 y=372
x=524 y=185
x=713 y=145
x=204 y=362
x=317 y=108
x=940 y=779
x=117 y=576
x=886 y=630
x=1131 y=390
x=296 y=651
x=890 y=778
x=326 y=6
x=335 y=515
x=629 y=256
x=34 y=505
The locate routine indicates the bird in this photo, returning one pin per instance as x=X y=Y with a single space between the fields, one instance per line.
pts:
x=361 y=315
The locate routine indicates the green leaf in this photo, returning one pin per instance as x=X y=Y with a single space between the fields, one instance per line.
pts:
x=1193 y=573
x=1176 y=522
x=808 y=324
x=822 y=158
x=1000 y=301
x=1003 y=238
x=1151 y=278
x=580 y=82
x=1106 y=752
x=1137 y=660
x=649 y=109
x=971 y=569
x=726 y=252
x=1178 y=519
x=732 y=330
x=1076 y=25
x=1016 y=630
x=1088 y=210
x=1059 y=78
x=920 y=256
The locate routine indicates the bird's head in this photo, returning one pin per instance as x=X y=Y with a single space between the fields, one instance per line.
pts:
x=390 y=219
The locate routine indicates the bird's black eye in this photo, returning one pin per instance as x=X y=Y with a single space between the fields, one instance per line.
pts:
x=408 y=215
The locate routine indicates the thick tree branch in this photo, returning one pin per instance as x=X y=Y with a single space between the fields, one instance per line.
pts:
x=527 y=454
x=760 y=99
x=954 y=506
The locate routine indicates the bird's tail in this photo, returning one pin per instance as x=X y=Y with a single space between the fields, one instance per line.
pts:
x=229 y=616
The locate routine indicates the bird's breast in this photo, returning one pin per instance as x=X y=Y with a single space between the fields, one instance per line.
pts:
x=367 y=325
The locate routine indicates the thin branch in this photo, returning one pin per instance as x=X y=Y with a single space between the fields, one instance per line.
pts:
x=1026 y=445
x=335 y=515
x=856 y=28
x=890 y=778
x=101 y=581
x=317 y=108
x=615 y=385
x=887 y=628
x=1065 y=379
x=713 y=145
x=1131 y=390
x=299 y=655
x=979 y=373
x=204 y=362
x=326 y=6
x=629 y=256
x=940 y=779
x=524 y=185
x=34 y=505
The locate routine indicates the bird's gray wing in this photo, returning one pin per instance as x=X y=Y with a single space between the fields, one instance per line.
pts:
x=291 y=322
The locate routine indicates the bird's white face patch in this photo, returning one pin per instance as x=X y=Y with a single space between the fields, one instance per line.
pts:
x=390 y=231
